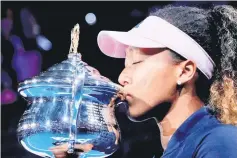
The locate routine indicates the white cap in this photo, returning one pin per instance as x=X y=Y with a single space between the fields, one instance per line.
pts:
x=154 y=32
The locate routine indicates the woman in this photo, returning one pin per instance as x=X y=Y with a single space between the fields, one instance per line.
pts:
x=184 y=56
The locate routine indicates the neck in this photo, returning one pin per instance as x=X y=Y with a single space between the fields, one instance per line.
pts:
x=182 y=107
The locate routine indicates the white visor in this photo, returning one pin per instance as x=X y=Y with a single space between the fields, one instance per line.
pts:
x=154 y=32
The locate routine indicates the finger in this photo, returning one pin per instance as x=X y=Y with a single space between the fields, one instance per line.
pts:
x=58 y=151
x=59 y=154
x=117 y=135
x=63 y=147
x=84 y=147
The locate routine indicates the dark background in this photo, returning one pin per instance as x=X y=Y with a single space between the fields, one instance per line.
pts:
x=56 y=20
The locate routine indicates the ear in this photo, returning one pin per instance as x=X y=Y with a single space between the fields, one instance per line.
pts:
x=186 y=72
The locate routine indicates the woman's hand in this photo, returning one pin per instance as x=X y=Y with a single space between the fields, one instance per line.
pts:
x=60 y=151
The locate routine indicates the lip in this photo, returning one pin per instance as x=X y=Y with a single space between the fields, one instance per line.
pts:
x=128 y=96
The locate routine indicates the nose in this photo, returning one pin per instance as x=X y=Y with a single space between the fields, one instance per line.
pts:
x=124 y=78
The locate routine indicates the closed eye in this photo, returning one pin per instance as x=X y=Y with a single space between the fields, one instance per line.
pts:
x=137 y=62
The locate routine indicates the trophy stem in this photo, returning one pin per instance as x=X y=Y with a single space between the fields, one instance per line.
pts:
x=77 y=91
x=77 y=88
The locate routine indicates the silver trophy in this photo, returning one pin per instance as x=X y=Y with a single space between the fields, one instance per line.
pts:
x=69 y=103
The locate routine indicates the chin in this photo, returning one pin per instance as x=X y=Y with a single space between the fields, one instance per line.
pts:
x=133 y=112
x=136 y=116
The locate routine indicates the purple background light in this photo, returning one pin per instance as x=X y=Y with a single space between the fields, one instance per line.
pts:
x=8 y=96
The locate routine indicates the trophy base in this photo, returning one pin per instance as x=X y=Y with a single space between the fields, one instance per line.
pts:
x=40 y=143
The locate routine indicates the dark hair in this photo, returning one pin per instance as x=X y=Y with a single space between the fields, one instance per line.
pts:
x=215 y=29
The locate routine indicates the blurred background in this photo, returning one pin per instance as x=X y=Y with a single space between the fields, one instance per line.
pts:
x=36 y=35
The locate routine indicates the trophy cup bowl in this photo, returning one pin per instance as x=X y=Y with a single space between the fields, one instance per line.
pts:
x=69 y=103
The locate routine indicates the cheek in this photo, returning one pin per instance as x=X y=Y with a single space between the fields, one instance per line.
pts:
x=153 y=76
x=152 y=83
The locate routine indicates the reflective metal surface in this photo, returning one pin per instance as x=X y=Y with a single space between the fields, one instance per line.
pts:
x=69 y=103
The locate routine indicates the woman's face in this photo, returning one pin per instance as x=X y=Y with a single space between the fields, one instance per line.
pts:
x=149 y=78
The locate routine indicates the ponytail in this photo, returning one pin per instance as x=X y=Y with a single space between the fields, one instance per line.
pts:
x=223 y=91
